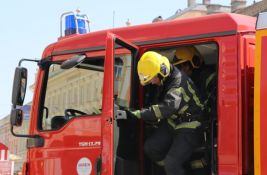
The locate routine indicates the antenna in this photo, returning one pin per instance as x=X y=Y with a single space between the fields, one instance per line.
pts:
x=113 y=22
x=128 y=23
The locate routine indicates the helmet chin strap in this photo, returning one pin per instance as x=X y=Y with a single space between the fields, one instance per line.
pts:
x=161 y=78
x=161 y=81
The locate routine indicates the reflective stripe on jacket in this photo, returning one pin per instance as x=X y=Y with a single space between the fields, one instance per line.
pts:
x=179 y=98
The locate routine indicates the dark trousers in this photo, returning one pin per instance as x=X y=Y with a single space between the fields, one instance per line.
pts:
x=174 y=147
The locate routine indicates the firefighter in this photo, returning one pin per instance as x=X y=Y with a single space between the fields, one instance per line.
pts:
x=179 y=112
x=189 y=60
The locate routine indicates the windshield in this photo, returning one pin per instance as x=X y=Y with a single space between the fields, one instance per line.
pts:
x=78 y=91
x=72 y=92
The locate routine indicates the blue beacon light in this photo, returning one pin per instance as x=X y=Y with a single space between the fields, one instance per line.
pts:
x=75 y=23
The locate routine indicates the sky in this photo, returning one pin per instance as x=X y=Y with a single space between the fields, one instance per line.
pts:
x=28 y=26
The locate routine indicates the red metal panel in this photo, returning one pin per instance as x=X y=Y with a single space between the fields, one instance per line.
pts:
x=263 y=108
x=168 y=29
x=247 y=54
x=228 y=107
x=61 y=150
x=108 y=106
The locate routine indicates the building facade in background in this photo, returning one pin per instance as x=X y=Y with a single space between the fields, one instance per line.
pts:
x=254 y=9
x=207 y=7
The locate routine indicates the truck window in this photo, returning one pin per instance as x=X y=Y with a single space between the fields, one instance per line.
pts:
x=72 y=93
x=122 y=79
x=77 y=91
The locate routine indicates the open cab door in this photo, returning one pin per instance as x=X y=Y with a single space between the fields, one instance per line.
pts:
x=120 y=79
x=260 y=97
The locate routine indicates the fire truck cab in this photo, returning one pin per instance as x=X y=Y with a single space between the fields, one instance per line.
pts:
x=84 y=78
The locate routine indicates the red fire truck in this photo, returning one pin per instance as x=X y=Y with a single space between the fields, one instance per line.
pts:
x=83 y=79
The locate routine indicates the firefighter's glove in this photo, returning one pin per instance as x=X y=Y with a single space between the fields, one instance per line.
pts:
x=134 y=113
x=128 y=114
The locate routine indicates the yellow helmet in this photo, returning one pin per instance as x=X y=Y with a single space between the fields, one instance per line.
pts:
x=150 y=65
x=187 y=53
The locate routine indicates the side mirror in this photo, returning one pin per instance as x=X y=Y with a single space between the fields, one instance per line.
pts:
x=19 y=86
x=72 y=62
x=16 y=117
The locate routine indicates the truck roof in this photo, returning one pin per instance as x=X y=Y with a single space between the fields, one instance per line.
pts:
x=222 y=24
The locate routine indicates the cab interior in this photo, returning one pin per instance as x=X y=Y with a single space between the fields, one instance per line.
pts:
x=130 y=135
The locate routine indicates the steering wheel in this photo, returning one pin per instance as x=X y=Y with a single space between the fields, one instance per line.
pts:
x=73 y=112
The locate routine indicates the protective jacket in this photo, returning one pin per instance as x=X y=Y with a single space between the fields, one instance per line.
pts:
x=179 y=102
